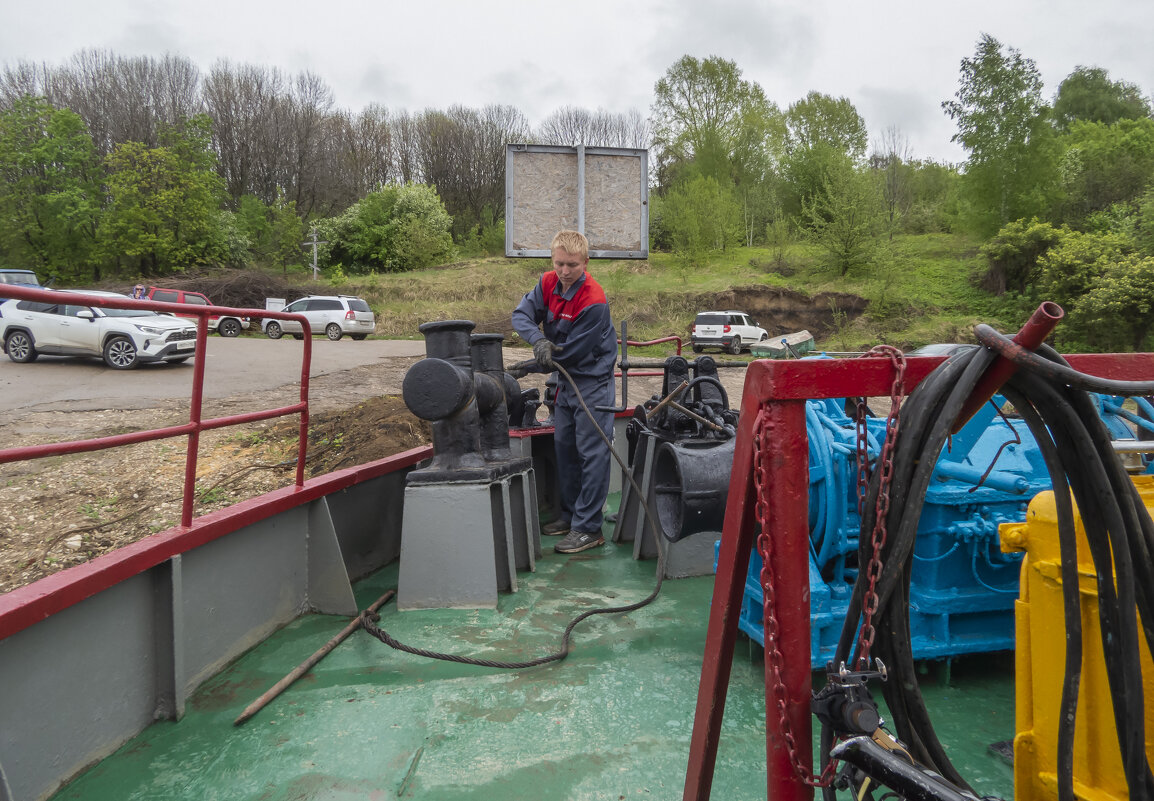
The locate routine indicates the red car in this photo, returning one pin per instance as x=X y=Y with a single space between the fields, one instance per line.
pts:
x=225 y=326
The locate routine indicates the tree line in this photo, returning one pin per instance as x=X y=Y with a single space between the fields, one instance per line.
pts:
x=241 y=152
x=117 y=166
x=1059 y=190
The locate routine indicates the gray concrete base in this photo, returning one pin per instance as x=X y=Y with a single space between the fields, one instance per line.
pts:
x=632 y=524
x=463 y=542
x=691 y=556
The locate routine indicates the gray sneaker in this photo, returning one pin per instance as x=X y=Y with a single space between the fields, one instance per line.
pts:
x=556 y=529
x=578 y=541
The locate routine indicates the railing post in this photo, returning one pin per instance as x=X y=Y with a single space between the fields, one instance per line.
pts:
x=787 y=522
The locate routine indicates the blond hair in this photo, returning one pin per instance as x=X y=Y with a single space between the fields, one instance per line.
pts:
x=571 y=242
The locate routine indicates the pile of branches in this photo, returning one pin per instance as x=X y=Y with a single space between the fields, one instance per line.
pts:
x=240 y=289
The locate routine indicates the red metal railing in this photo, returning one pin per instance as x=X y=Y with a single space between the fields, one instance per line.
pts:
x=634 y=344
x=195 y=423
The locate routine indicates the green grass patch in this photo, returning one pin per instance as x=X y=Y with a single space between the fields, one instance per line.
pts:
x=918 y=289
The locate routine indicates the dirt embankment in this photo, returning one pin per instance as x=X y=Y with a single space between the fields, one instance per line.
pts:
x=782 y=311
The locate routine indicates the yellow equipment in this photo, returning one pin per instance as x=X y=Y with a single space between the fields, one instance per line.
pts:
x=1040 y=659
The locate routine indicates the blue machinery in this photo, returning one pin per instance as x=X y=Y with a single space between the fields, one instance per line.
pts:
x=962 y=587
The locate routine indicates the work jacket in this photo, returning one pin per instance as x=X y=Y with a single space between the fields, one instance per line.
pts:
x=577 y=320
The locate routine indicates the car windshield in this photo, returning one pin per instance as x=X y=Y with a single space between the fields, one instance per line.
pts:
x=19 y=278
x=711 y=319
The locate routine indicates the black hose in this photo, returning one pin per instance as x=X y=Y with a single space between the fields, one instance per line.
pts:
x=1106 y=502
x=1052 y=398
x=1071 y=594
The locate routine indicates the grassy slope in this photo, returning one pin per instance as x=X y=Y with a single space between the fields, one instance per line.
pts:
x=919 y=292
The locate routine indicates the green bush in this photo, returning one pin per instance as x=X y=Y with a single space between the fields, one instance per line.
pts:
x=396 y=229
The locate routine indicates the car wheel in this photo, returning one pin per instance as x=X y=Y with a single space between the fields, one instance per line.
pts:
x=20 y=348
x=735 y=346
x=333 y=332
x=358 y=337
x=763 y=337
x=120 y=353
x=273 y=330
x=229 y=328
x=698 y=348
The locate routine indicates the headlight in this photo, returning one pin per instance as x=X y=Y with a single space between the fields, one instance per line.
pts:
x=151 y=331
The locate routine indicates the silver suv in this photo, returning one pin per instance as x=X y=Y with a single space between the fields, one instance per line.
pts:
x=331 y=315
x=124 y=338
x=728 y=330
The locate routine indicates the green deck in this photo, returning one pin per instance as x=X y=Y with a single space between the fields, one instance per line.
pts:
x=612 y=721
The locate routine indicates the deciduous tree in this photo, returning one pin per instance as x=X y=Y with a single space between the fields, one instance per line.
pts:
x=50 y=196
x=1089 y=95
x=571 y=126
x=1003 y=124
x=844 y=218
x=706 y=115
x=164 y=204
x=824 y=133
x=1103 y=164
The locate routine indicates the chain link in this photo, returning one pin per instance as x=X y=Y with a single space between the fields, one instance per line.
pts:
x=775 y=660
x=882 y=505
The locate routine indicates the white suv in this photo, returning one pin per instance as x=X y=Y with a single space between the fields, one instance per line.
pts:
x=331 y=315
x=728 y=330
x=124 y=338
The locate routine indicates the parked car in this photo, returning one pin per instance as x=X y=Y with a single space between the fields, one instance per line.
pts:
x=226 y=326
x=24 y=277
x=331 y=315
x=124 y=338
x=727 y=330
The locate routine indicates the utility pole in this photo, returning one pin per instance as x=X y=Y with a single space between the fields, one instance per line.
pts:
x=314 y=242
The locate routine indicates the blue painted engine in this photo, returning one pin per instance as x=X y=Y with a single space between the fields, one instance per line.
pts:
x=962 y=587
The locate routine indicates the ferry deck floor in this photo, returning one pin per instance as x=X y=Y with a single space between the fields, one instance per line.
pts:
x=612 y=721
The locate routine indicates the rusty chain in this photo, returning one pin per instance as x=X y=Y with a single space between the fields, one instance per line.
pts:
x=773 y=656
x=881 y=507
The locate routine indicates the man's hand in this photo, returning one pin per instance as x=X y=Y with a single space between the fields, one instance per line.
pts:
x=517 y=370
x=543 y=351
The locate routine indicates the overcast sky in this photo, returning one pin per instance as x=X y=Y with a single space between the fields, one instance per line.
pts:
x=896 y=60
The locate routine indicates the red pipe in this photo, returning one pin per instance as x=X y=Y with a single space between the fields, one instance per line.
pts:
x=1031 y=336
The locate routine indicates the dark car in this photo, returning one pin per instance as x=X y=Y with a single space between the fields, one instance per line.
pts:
x=22 y=277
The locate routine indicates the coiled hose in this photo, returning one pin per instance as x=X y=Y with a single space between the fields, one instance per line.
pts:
x=1052 y=398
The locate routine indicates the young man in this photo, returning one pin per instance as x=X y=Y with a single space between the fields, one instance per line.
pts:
x=565 y=317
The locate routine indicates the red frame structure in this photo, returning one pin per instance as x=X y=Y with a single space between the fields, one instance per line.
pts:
x=782 y=388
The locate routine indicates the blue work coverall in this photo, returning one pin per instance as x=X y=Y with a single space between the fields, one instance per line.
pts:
x=579 y=322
